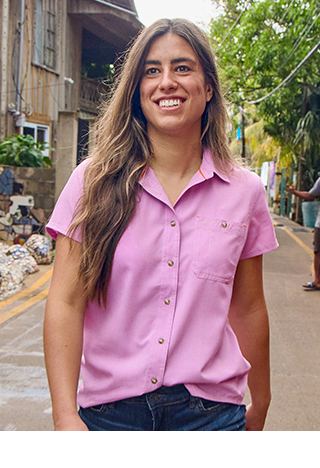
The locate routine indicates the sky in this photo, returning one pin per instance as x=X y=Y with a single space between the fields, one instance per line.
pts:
x=198 y=11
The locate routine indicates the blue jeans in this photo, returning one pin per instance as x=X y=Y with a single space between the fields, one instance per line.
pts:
x=165 y=409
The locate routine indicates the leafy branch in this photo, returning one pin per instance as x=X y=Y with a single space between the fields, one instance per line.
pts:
x=22 y=150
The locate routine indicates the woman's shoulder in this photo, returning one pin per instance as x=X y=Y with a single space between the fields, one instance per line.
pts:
x=81 y=167
x=77 y=175
x=244 y=175
x=235 y=171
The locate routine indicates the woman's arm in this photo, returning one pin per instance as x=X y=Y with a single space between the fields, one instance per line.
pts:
x=249 y=319
x=63 y=331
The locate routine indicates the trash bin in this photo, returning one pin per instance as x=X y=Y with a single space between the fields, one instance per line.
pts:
x=310 y=212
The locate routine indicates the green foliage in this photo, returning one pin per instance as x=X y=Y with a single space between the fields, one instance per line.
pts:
x=22 y=150
x=98 y=70
x=262 y=147
x=308 y=138
x=258 y=43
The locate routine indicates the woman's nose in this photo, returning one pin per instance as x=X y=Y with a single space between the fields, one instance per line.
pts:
x=167 y=80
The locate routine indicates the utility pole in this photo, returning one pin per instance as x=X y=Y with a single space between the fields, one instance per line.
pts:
x=298 y=200
x=18 y=111
x=243 y=133
x=4 y=62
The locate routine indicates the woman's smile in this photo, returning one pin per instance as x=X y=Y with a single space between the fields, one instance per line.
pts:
x=170 y=103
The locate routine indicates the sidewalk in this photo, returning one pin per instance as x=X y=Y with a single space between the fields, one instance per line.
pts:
x=295 y=330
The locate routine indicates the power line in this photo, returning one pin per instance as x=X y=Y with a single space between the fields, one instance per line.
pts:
x=286 y=80
x=36 y=87
x=286 y=11
x=302 y=36
x=233 y=26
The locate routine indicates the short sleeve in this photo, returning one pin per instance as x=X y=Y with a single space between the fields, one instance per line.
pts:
x=261 y=236
x=62 y=215
x=316 y=188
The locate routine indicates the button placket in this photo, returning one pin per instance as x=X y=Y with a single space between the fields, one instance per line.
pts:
x=168 y=281
x=170 y=263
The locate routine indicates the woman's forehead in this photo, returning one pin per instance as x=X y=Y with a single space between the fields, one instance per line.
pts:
x=171 y=46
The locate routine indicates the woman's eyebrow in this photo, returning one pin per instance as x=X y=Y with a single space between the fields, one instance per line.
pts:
x=152 y=62
x=183 y=59
x=173 y=61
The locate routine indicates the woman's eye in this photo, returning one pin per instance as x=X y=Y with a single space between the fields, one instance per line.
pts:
x=183 y=68
x=152 y=71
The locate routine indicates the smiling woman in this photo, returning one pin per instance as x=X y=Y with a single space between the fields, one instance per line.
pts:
x=159 y=286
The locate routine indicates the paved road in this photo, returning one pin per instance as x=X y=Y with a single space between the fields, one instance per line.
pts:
x=295 y=343
x=295 y=331
x=24 y=396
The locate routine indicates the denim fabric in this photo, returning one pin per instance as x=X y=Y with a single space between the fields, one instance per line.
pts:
x=165 y=409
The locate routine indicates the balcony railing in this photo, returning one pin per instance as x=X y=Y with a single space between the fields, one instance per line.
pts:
x=92 y=93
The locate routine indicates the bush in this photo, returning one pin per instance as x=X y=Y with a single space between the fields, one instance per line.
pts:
x=22 y=150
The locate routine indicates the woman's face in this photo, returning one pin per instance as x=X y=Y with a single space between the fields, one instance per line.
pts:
x=173 y=91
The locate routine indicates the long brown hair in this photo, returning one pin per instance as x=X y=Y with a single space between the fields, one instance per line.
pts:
x=123 y=151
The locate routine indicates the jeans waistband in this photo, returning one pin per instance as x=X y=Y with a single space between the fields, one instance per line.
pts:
x=162 y=394
x=174 y=390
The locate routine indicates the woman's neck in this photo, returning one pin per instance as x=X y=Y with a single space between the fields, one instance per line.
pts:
x=175 y=156
x=175 y=162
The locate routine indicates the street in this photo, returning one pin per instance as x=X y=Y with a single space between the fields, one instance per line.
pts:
x=295 y=342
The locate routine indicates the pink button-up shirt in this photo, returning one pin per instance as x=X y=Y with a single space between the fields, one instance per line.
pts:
x=166 y=320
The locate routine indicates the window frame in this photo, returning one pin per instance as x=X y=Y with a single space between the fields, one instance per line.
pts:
x=46 y=34
x=46 y=129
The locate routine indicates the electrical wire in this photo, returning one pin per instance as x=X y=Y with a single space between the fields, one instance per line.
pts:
x=299 y=40
x=55 y=100
x=286 y=80
x=286 y=11
x=233 y=26
x=15 y=40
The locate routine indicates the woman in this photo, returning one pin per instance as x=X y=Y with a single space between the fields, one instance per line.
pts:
x=162 y=285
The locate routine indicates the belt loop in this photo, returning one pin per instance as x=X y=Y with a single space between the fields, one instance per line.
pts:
x=193 y=401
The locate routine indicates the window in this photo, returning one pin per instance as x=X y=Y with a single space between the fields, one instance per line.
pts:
x=40 y=133
x=46 y=33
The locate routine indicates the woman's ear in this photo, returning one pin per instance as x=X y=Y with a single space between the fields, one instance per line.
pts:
x=209 y=92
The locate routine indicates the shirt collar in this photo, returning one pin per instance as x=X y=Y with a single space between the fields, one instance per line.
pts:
x=208 y=168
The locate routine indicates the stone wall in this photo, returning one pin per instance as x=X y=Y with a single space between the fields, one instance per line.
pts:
x=38 y=182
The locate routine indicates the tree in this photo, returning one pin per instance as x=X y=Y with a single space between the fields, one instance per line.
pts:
x=258 y=44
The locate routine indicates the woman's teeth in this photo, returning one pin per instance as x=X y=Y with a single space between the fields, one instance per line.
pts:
x=170 y=103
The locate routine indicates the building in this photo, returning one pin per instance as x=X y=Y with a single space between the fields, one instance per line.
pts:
x=56 y=57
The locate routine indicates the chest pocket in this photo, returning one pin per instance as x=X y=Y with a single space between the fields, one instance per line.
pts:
x=217 y=247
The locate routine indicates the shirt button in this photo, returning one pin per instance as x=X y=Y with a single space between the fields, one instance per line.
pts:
x=167 y=301
x=161 y=341
x=224 y=225
x=154 y=381
x=173 y=223
x=170 y=263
